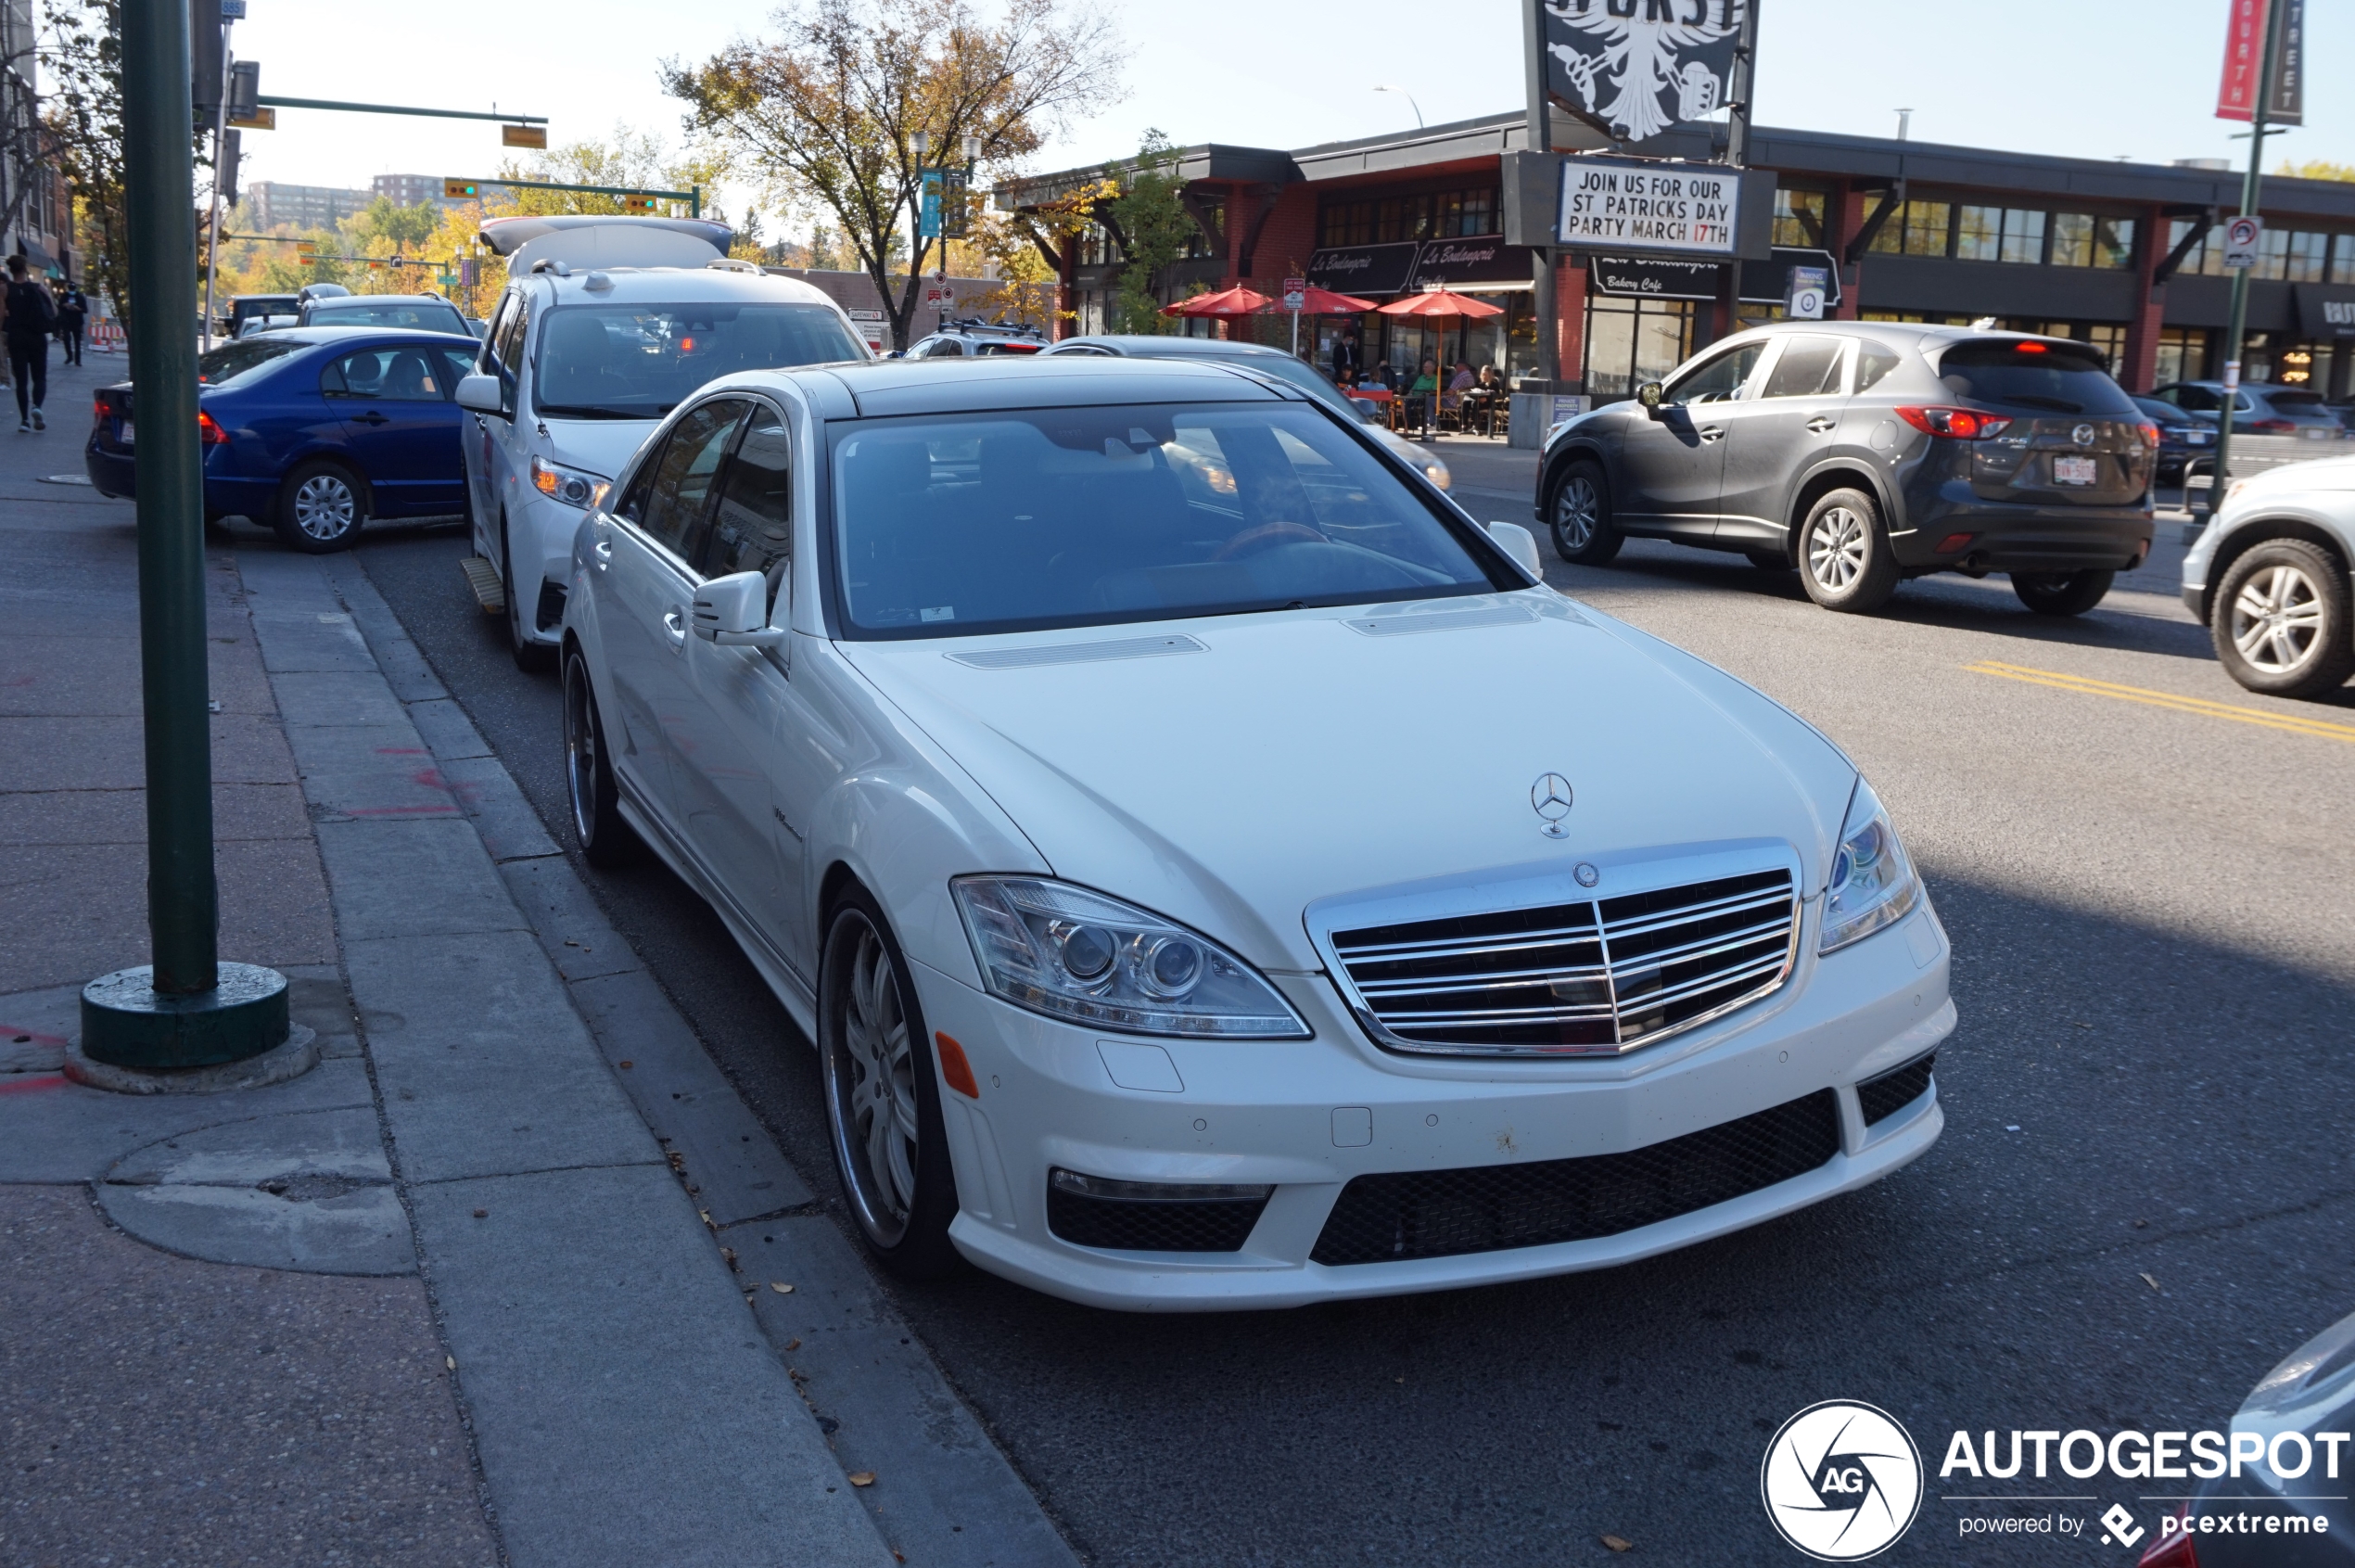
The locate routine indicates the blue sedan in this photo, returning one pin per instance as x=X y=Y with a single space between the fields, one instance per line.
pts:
x=314 y=431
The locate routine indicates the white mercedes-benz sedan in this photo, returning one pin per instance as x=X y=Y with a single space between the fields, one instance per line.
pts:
x=1215 y=871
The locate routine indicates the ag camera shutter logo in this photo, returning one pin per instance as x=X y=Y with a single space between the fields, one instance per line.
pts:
x=1841 y=1481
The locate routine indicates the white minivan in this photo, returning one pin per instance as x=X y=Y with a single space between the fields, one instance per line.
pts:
x=606 y=326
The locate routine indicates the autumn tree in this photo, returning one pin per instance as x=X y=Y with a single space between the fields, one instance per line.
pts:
x=631 y=160
x=82 y=113
x=826 y=114
x=1150 y=220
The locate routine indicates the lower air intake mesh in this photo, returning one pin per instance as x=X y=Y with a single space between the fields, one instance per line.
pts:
x=1153 y=1224
x=1885 y=1096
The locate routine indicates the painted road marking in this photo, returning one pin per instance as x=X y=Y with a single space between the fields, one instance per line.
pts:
x=2319 y=728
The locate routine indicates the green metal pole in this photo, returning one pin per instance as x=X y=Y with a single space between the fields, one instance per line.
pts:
x=186 y=1008
x=694 y=203
x=2234 y=333
x=183 y=907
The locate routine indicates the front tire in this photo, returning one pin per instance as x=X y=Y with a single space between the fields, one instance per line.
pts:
x=320 y=509
x=1844 y=558
x=2062 y=593
x=606 y=840
x=2281 y=621
x=1578 y=514
x=882 y=1096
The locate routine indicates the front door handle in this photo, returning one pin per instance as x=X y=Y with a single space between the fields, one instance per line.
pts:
x=674 y=626
x=1821 y=425
x=1712 y=432
x=370 y=417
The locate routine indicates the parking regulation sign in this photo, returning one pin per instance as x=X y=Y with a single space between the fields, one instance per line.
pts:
x=2240 y=241
x=1295 y=293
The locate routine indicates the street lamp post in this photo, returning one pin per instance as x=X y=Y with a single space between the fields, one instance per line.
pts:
x=2238 y=328
x=186 y=1008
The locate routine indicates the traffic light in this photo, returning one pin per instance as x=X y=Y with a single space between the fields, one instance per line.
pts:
x=640 y=204
x=306 y=249
x=461 y=190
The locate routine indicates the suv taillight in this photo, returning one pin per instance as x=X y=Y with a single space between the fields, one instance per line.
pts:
x=1962 y=423
x=2172 y=1548
x=2270 y=426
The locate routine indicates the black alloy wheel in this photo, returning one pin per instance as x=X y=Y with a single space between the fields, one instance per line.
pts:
x=2280 y=620
x=1579 y=516
x=320 y=508
x=2062 y=593
x=882 y=1096
x=606 y=840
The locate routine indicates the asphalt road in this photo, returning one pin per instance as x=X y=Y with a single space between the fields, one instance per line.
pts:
x=2142 y=1201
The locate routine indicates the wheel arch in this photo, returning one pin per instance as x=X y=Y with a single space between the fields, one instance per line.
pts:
x=1576 y=450
x=2265 y=531
x=1837 y=472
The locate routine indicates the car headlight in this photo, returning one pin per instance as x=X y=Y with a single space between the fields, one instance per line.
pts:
x=1078 y=955
x=1872 y=884
x=574 y=487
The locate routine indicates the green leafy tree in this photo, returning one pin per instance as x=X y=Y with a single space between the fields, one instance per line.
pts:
x=1153 y=226
x=631 y=160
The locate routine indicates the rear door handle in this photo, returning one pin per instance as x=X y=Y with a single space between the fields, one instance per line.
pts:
x=1822 y=425
x=674 y=626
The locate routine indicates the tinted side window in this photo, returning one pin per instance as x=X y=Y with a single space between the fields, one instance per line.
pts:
x=752 y=527
x=676 y=507
x=1809 y=368
x=947 y=348
x=1874 y=365
x=507 y=343
x=631 y=507
x=2199 y=398
x=392 y=375
x=1718 y=380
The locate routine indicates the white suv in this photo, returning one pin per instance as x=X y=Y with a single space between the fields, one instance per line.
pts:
x=608 y=325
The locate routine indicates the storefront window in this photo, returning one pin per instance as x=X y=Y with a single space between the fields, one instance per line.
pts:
x=1632 y=341
x=1918 y=228
x=2343 y=258
x=2308 y=257
x=2023 y=236
x=1430 y=215
x=2272 y=254
x=1799 y=218
x=2080 y=240
x=2183 y=355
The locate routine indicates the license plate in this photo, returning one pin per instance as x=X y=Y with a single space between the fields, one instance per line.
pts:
x=2199 y=438
x=2073 y=471
x=125 y=436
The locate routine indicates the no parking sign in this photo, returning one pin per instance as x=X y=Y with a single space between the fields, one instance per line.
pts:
x=2240 y=241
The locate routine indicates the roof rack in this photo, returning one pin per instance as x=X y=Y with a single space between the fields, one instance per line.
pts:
x=975 y=323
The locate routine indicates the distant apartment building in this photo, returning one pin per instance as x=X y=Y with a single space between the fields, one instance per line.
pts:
x=408 y=190
x=273 y=202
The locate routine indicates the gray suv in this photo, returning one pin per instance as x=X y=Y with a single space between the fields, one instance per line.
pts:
x=1866 y=453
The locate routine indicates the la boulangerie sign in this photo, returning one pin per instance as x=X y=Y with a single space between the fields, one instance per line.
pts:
x=1635 y=67
x=1677 y=208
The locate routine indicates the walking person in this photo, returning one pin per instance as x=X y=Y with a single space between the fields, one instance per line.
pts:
x=72 y=311
x=27 y=318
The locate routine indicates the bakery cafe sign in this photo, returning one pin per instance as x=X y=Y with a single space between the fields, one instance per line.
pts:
x=1685 y=208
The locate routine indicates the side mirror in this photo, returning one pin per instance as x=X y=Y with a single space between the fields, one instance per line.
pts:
x=733 y=612
x=1648 y=395
x=1520 y=544
x=479 y=394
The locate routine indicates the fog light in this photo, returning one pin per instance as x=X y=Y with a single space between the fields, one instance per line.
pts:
x=1081 y=1186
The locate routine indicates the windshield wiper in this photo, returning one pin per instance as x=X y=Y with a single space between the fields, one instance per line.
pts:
x=588 y=411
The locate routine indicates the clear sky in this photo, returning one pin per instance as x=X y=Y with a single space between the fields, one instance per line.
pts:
x=2054 y=76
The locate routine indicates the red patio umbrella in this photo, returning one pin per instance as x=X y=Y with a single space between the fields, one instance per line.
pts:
x=1236 y=301
x=1440 y=303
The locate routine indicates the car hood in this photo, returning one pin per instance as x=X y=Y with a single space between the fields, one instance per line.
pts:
x=601 y=446
x=1228 y=773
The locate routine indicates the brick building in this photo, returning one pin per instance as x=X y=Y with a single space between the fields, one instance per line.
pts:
x=2127 y=256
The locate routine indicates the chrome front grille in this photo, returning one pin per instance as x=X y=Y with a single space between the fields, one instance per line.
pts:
x=1590 y=978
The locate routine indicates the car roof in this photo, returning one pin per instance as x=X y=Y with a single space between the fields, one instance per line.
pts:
x=353 y=301
x=887 y=388
x=680 y=284
x=315 y=337
x=1148 y=346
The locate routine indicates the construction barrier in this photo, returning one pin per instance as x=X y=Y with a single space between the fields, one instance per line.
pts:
x=105 y=335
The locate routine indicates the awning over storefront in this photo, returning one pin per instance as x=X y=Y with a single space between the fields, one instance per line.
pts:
x=1483 y=262
x=1365 y=269
x=2324 y=310
x=1667 y=277
x=1450 y=264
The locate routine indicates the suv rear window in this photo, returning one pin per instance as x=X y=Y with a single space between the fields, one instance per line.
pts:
x=2305 y=402
x=235 y=362
x=2033 y=375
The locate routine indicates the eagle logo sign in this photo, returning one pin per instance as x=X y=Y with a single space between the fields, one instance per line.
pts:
x=1635 y=67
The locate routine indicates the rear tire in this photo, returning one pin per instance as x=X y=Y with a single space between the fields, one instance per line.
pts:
x=2062 y=593
x=2281 y=621
x=1844 y=558
x=320 y=508
x=607 y=839
x=1578 y=514
x=533 y=658
x=882 y=1096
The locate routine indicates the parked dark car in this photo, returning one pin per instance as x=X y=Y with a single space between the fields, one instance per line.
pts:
x=1866 y=453
x=313 y=430
x=422 y=313
x=249 y=307
x=2182 y=437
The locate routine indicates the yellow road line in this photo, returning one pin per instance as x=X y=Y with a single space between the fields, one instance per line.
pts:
x=2085 y=686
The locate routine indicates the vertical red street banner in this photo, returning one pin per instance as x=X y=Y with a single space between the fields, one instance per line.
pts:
x=2244 y=54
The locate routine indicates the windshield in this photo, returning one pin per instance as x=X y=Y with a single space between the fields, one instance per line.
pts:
x=241 y=361
x=425 y=315
x=1019 y=520
x=640 y=362
x=2028 y=374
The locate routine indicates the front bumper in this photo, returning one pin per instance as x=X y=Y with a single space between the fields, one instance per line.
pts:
x=1306 y=1117
x=540 y=535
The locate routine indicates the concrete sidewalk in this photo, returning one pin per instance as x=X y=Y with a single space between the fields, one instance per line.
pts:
x=494 y=1282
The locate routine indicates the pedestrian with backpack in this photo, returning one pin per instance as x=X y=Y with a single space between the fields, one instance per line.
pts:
x=27 y=317
x=72 y=311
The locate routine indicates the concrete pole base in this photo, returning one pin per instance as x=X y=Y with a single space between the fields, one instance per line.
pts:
x=127 y=1022
x=294 y=1056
